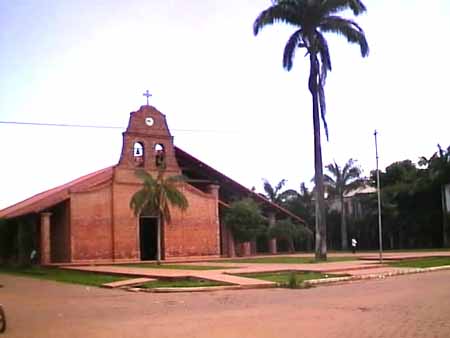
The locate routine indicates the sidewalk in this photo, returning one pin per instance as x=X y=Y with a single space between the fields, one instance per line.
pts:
x=357 y=269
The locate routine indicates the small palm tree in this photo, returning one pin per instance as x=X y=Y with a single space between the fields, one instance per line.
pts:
x=312 y=18
x=155 y=196
x=274 y=194
x=341 y=182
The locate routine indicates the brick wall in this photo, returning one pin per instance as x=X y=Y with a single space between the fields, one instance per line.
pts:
x=126 y=234
x=91 y=235
x=194 y=232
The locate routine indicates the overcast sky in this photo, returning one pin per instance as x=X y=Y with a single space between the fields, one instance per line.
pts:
x=227 y=99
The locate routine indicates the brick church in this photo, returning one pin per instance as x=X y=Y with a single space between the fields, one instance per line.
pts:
x=89 y=219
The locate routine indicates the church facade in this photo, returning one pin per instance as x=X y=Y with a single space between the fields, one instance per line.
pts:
x=90 y=220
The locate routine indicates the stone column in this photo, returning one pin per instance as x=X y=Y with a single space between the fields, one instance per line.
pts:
x=213 y=189
x=230 y=241
x=45 y=238
x=253 y=247
x=246 y=249
x=272 y=241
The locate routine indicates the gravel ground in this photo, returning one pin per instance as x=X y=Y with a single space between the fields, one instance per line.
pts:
x=404 y=307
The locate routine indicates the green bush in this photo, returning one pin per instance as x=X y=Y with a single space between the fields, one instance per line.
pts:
x=292 y=282
x=245 y=220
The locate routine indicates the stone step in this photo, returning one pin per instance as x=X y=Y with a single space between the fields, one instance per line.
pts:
x=128 y=282
x=236 y=280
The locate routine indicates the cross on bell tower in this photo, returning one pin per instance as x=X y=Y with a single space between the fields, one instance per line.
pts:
x=147 y=95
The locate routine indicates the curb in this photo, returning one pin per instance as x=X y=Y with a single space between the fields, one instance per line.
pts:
x=201 y=288
x=324 y=281
x=308 y=283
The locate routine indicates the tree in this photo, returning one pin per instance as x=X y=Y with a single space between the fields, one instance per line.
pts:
x=439 y=173
x=312 y=18
x=245 y=220
x=287 y=230
x=300 y=203
x=155 y=196
x=274 y=194
x=341 y=182
x=410 y=206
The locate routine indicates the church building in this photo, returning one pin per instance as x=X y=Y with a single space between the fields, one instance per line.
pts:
x=89 y=220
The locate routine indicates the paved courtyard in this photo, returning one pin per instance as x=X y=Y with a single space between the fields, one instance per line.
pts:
x=369 y=267
x=405 y=306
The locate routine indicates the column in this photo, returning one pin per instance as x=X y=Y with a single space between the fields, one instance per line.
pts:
x=45 y=238
x=272 y=241
x=231 y=244
x=213 y=189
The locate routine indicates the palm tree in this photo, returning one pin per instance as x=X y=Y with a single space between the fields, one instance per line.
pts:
x=274 y=194
x=312 y=18
x=155 y=196
x=341 y=182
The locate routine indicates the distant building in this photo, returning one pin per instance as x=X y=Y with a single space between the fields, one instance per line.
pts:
x=352 y=201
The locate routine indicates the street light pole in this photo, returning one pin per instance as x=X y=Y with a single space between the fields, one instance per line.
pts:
x=380 y=232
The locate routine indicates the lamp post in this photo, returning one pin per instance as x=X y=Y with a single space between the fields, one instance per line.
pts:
x=380 y=232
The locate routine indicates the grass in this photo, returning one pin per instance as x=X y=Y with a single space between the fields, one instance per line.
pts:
x=176 y=266
x=181 y=283
x=286 y=278
x=65 y=276
x=421 y=263
x=287 y=260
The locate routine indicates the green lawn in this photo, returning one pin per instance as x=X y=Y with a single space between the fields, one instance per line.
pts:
x=65 y=276
x=181 y=283
x=285 y=278
x=421 y=263
x=176 y=266
x=287 y=260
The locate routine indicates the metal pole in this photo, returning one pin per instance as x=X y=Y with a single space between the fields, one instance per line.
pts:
x=380 y=233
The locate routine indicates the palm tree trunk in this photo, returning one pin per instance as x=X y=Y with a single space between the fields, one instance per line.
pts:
x=344 y=240
x=445 y=241
x=158 y=241
x=321 y=235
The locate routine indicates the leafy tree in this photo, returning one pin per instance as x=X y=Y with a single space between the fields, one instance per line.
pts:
x=287 y=230
x=438 y=166
x=312 y=18
x=410 y=206
x=155 y=196
x=245 y=220
x=340 y=182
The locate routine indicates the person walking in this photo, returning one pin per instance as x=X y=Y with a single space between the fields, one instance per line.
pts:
x=354 y=244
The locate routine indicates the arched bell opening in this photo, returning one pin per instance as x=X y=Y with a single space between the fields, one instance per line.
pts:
x=138 y=154
x=160 y=156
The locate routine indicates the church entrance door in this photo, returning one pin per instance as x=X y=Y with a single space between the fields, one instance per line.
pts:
x=148 y=237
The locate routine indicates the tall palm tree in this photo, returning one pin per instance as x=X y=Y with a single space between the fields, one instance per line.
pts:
x=341 y=182
x=155 y=196
x=312 y=18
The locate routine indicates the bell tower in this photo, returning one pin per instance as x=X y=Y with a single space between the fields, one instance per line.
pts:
x=147 y=142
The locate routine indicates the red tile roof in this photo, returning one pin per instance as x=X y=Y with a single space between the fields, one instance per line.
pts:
x=225 y=181
x=56 y=195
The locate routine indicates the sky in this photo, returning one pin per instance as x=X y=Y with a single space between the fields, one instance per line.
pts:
x=227 y=99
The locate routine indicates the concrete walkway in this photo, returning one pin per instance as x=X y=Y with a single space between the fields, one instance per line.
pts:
x=228 y=275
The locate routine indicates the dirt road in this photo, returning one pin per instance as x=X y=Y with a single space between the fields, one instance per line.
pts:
x=405 y=307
